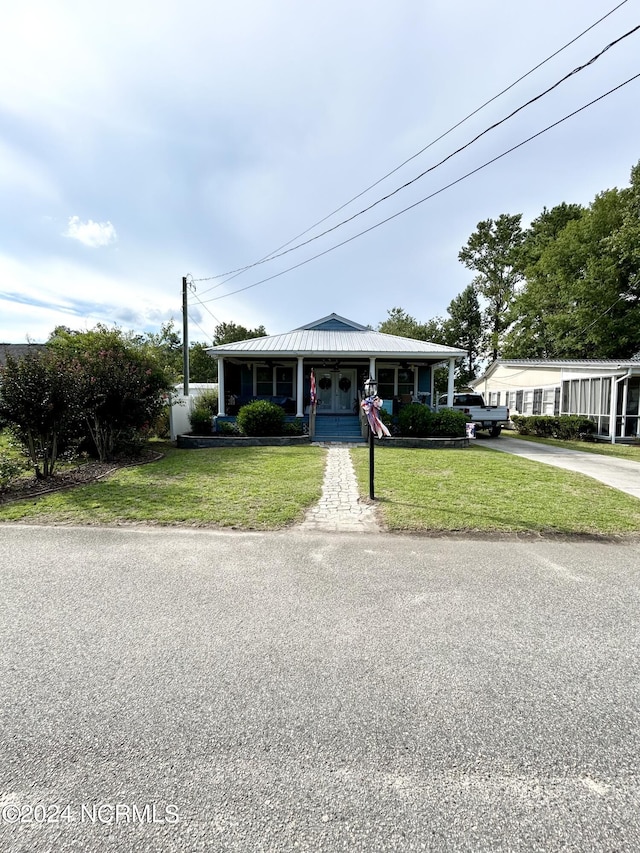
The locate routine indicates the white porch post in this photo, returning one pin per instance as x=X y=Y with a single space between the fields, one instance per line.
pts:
x=300 y=389
x=372 y=367
x=221 y=404
x=625 y=392
x=452 y=376
x=613 y=408
x=433 y=399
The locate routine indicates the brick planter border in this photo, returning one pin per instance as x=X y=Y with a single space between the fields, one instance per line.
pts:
x=198 y=442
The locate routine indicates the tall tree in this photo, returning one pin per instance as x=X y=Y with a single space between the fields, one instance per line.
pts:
x=404 y=325
x=492 y=252
x=228 y=333
x=540 y=297
x=582 y=293
x=202 y=368
x=464 y=329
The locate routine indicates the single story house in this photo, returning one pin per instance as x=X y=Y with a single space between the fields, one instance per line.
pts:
x=342 y=355
x=605 y=390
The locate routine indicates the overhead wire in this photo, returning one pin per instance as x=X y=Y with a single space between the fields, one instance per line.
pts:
x=431 y=195
x=231 y=274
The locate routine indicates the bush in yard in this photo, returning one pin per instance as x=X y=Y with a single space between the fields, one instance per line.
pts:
x=294 y=427
x=261 y=418
x=449 y=423
x=9 y=470
x=120 y=384
x=415 y=420
x=201 y=417
x=227 y=428
x=39 y=400
x=576 y=427
x=565 y=427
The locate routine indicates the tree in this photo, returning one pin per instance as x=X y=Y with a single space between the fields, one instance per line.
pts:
x=492 y=252
x=228 y=333
x=40 y=402
x=540 y=297
x=464 y=329
x=166 y=346
x=405 y=326
x=202 y=368
x=582 y=290
x=121 y=386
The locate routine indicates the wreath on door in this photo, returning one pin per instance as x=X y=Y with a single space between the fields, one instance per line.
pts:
x=325 y=383
x=344 y=384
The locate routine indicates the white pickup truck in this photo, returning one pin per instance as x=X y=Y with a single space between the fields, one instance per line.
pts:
x=491 y=418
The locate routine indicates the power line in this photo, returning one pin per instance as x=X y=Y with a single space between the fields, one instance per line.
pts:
x=431 y=195
x=271 y=255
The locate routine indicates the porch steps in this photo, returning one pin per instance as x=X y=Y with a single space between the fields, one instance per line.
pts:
x=338 y=428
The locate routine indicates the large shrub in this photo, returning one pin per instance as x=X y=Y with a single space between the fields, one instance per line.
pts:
x=449 y=423
x=261 y=418
x=201 y=417
x=39 y=400
x=415 y=420
x=121 y=386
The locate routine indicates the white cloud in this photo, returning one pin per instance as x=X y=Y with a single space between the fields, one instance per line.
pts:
x=93 y=234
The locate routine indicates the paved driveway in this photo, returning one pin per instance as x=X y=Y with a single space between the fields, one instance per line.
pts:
x=171 y=690
x=621 y=474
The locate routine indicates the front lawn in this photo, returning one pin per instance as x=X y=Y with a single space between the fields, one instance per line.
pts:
x=478 y=489
x=244 y=487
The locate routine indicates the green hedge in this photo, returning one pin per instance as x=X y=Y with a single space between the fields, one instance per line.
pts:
x=566 y=427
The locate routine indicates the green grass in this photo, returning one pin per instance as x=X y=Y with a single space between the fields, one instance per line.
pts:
x=248 y=487
x=477 y=489
x=623 y=451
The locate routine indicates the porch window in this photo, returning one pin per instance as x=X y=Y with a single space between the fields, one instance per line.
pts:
x=405 y=382
x=264 y=381
x=284 y=382
x=386 y=383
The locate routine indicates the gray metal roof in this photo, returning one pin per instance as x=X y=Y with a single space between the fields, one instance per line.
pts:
x=17 y=351
x=353 y=342
x=569 y=362
x=560 y=363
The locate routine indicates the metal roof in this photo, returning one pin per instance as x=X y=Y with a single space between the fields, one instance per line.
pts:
x=560 y=363
x=351 y=342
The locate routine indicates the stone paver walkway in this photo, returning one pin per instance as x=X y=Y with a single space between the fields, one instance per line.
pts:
x=339 y=507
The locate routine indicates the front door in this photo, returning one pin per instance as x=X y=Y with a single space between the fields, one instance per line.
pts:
x=337 y=391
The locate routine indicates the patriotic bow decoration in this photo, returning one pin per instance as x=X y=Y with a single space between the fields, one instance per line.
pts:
x=371 y=405
x=313 y=395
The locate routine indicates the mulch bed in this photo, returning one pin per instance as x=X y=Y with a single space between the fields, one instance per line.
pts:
x=83 y=474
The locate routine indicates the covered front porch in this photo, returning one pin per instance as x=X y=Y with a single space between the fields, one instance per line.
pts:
x=342 y=355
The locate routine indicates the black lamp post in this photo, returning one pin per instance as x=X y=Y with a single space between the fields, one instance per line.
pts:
x=371 y=391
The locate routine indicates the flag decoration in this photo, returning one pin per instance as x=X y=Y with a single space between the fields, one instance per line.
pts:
x=371 y=405
x=313 y=393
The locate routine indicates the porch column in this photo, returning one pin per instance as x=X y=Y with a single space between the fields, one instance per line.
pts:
x=372 y=367
x=625 y=393
x=221 y=403
x=300 y=389
x=452 y=376
x=613 y=408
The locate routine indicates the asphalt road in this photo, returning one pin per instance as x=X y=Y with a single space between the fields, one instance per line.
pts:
x=172 y=690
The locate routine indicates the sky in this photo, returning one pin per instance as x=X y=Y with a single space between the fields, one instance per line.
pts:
x=142 y=142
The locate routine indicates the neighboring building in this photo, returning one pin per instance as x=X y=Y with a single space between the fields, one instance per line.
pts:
x=605 y=390
x=17 y=351
x=342 y=355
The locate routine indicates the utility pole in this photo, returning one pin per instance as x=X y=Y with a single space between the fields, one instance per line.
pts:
x=185 y=339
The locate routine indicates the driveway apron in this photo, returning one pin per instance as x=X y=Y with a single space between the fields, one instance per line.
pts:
x=621 y=474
